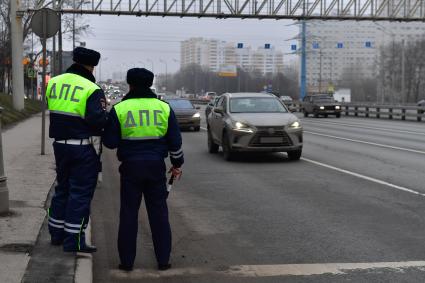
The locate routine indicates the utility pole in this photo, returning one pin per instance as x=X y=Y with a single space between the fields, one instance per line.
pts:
x=73 y=29
x=403 y=73
x=53 y=63
x=17 y=51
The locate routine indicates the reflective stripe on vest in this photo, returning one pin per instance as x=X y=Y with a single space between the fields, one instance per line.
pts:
x=67 y=94
x=143 y=118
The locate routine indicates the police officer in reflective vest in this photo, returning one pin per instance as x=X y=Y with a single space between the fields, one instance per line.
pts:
x=144 y=129
x=77 y=113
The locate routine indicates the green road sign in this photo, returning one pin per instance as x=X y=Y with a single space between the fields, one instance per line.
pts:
x=32 y=73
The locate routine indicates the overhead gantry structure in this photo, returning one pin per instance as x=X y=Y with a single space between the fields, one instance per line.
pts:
x=375 y=10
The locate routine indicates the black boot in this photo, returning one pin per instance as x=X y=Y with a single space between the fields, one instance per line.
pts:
x=163 y=267
x=84 y=249
x=125 y=267
x=56 y=242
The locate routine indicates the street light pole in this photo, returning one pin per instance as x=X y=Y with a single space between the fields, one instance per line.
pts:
x=303 y=60
x=166 y=71
x=320 y=69
x=403 y=73
x=16 y=32
x=4 y=191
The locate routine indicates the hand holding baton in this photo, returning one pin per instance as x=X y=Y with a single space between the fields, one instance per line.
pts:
x=175 y=173
x=170 y=183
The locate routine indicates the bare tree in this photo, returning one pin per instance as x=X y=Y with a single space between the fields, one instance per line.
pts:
x=391 y=76
x=81 y=28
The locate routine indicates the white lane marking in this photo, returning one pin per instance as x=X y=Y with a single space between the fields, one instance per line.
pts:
x=365 y=127
x=268 y=270
x=364 y=177
x=366 y=142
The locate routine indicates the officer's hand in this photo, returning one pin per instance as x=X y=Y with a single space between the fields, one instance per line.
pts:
x=176 y=172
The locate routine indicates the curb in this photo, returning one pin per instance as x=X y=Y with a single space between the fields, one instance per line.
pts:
x=84 y=263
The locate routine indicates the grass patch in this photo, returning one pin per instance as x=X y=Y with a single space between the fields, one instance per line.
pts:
x=10 y=115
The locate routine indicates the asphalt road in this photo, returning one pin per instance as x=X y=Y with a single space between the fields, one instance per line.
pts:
x=352 y=210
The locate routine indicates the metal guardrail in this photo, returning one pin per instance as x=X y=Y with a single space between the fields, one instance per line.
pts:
x=367 y=110
x=379 y=111
x=385 y=111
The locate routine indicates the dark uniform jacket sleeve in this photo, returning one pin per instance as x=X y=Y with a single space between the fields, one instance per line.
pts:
x=174 y=141
x=96 y=115
x=112 y=133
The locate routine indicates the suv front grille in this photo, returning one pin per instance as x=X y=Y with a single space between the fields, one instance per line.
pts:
x=329 y=107
x=270 y=132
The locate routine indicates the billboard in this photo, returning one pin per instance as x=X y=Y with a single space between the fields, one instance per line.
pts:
x=228 y=71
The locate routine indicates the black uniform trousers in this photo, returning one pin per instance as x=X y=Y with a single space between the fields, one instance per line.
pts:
x=146 y=178
x=77 y=168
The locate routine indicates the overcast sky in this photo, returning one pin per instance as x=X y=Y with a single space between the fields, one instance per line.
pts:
x=128 y=41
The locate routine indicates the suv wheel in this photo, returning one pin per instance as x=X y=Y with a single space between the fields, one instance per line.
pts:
x=197 y=128
x=338 y=115
x=316 y=115
x=305 y=113
x=295 y=154
x=212 y=146
x=228 y=154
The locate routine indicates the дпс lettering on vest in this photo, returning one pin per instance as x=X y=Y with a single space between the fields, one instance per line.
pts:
x=64 y=96
x=130 y=122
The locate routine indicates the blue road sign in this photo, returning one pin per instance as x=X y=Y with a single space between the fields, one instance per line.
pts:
x=293 y=47
x=240 y=45
x=316 y=45
x=267 y=46
x=340 y=45
x=368 y=44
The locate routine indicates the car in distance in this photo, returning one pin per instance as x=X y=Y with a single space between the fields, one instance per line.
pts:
x=321 y=104
x=253 y=122
x=187 y=114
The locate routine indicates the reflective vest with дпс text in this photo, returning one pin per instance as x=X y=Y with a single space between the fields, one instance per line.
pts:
x=67 y=94
x=143 y=118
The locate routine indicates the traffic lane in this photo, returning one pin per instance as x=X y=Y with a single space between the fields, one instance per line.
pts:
x=266 y=210
x=394 y=166
x=394 y=139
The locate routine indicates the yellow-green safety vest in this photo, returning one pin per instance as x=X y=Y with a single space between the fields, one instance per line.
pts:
x=143 y=118
x=67 y=94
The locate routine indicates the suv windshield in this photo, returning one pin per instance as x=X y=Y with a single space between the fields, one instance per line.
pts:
x=180 y=104
x=256 y=105
x=323 y=99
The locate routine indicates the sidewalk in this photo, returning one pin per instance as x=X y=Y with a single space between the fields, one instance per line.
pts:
x=29 y=178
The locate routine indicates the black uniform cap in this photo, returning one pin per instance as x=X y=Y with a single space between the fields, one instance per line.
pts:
x=86 y=56
x=140 y=77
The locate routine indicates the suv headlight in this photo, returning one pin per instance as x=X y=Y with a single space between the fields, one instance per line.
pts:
x=337 y=107
x=196 y=115
x=295 y=125
x=241 y=127
x=322 y=107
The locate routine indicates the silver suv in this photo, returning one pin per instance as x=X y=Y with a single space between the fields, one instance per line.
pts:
x=253 y=122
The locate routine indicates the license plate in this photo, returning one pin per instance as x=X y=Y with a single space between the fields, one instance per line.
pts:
x=271 y=140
